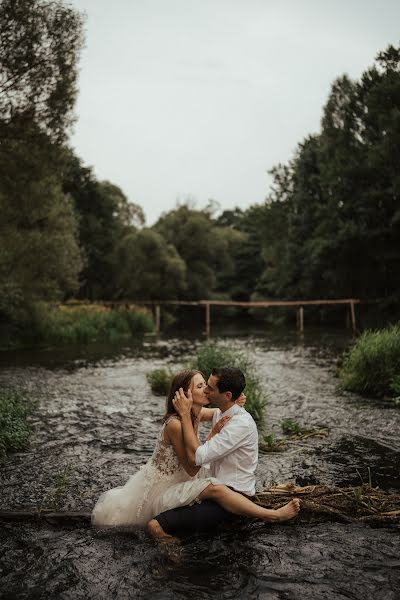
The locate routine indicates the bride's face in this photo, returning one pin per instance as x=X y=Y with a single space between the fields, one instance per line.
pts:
x=197 y=387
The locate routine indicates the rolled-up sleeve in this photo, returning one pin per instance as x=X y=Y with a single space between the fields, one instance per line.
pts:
x=225 y=442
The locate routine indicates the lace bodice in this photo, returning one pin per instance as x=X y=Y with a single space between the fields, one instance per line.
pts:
x=164 y=458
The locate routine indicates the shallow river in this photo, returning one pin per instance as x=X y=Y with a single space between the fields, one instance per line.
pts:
x=95 y=423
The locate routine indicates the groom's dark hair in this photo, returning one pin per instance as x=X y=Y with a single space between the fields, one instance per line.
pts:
x=231 y=380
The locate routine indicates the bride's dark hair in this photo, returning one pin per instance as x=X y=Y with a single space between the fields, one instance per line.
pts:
x=181 y=380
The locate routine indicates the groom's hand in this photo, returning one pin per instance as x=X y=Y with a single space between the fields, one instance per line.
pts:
x=182 y=402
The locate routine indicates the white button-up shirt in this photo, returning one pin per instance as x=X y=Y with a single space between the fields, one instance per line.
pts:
x=233 y=453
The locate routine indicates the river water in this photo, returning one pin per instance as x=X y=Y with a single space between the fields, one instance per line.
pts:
x=95 y=423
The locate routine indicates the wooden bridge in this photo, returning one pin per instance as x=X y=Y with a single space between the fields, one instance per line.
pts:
x=207 y=304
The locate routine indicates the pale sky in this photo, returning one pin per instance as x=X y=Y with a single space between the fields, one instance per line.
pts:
x=200 y=98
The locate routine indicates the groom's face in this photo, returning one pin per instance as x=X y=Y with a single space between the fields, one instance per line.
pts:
x=213 y=393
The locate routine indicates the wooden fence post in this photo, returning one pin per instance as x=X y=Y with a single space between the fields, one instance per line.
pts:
x=208 y=323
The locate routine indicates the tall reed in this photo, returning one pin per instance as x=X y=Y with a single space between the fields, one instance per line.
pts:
x=85 y=323
x=14 y=428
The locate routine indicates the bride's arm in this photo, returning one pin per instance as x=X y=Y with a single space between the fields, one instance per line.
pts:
x=175 y=436
x=206 y=414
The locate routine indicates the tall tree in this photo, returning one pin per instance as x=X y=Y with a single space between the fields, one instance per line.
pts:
x=205 y=248
x=149 y=267
x=105 y=217
x=331 y=226
x=39 y=254
x=40 y=43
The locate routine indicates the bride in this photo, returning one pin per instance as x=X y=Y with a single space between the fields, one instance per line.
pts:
x=168 y=481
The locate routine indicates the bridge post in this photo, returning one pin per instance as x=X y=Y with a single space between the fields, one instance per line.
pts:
x=300 y=319
x=157 y=317
x=208 y=320
x=353 y=315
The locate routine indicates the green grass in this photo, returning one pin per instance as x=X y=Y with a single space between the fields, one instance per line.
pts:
x=83 y=324
x=14 y=429
x=290 y=427
x=269 y=443
x=160 y=381
x=213 y=355
x=372 y=367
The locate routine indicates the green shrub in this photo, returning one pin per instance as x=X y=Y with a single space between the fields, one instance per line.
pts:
x=211 y=355
x=14 y=429
x=160 y=381
x=372 y=367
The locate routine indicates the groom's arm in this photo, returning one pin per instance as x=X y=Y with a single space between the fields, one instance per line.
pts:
x=229 y=439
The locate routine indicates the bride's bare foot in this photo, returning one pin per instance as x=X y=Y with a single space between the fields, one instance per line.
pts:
x=289 y=511
x=157 y=533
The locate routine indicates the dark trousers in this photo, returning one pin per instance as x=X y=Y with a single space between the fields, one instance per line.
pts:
x=195 y=519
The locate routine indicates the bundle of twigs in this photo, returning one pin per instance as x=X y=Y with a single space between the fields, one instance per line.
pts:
x=363 y=503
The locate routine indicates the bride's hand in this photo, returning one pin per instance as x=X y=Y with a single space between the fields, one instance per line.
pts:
x=182 y=402
x=217 y=427
x=241 y=401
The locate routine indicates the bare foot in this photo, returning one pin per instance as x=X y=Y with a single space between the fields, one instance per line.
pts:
x=157 y=533
x=289 y=511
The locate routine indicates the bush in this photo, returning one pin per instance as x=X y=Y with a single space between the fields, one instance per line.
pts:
x=372 y=367
x=14 y=429
x=160 y=381
x=210 y=356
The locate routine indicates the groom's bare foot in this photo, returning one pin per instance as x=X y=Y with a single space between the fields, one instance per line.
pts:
x=157 y=533
x=289 y=511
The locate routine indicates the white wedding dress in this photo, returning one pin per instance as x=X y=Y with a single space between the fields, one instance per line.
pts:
x=161 y=484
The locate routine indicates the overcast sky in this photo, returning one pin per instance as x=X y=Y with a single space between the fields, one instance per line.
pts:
x=200 y=98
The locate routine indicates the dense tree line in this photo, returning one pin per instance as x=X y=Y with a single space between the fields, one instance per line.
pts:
x=329 y=228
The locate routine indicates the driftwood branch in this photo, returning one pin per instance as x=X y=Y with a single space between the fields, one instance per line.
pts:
x=319 y=503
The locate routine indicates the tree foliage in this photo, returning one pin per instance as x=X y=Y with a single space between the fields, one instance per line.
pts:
x=40 y=43
x=329 y=228
x=331 y=225
x=105 y=217
x=151 y=267
x=39 y=253
x=205 y=248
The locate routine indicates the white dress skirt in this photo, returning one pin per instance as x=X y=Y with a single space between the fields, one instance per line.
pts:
x=161 y=484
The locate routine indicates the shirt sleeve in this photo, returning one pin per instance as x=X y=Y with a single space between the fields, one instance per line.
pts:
x=225 y=442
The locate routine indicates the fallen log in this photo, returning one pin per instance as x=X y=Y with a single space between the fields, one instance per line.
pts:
x=319 y=503
x=63 y=518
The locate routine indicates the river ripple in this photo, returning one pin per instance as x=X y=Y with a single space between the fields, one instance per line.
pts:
x=96 y=422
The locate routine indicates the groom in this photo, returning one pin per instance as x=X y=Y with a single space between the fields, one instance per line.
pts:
x=232 y=455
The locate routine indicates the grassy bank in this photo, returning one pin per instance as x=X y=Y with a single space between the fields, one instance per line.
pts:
x=79 y=323
x=372 y=367
x=14 y=429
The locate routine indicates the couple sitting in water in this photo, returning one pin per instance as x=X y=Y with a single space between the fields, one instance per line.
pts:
x=186 y=486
